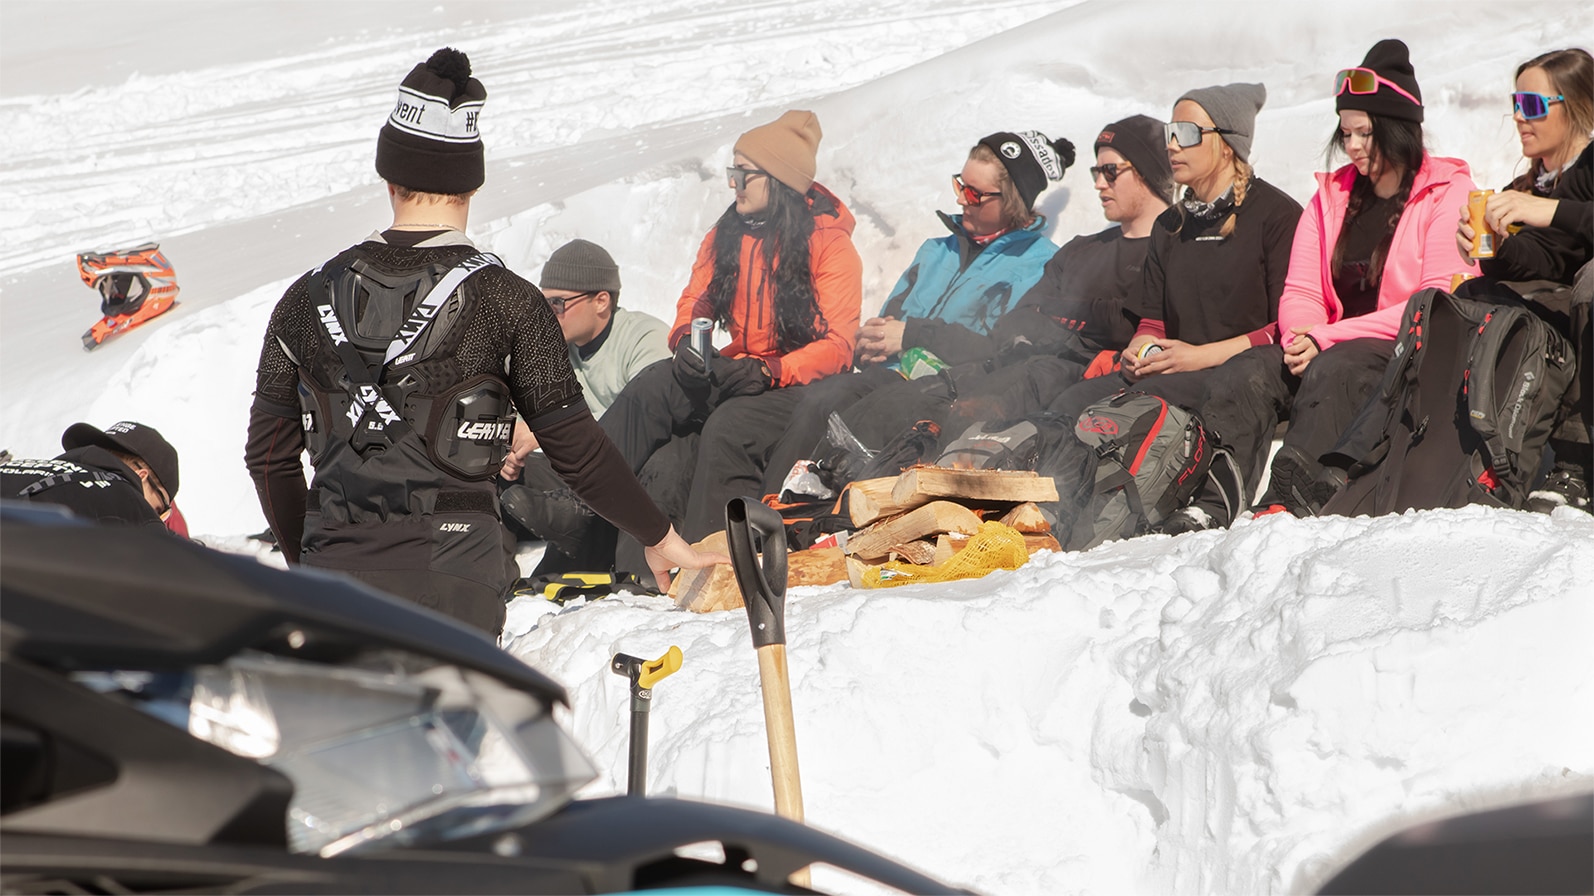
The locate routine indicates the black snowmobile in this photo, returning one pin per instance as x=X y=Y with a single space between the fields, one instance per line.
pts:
x=176 y=719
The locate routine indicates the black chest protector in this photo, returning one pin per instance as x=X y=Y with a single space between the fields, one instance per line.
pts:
x=383 y=324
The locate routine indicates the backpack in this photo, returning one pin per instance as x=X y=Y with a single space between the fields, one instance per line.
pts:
x=1138 y=460
x=1462 y=413
x=1007 y=445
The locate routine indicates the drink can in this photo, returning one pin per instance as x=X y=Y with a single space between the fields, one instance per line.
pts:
x=917 y=362
x=1482 y=236
x=1457 y=279
x=702 y=336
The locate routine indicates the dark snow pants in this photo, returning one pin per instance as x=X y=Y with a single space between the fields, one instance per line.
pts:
x=736 y=436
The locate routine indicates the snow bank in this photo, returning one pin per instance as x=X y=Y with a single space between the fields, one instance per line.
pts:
x=1220 y=712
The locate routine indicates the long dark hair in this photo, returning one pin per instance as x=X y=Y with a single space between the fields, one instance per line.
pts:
x=1397 y=142
x=782 y=249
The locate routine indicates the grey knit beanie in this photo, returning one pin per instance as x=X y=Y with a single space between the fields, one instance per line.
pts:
x=1232 y=107
x=580 y=266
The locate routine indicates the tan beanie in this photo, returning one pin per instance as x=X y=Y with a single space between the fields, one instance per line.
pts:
x=785 y=148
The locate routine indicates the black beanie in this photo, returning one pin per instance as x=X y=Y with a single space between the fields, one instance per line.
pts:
x=1139 y=139
x=1031 y=159
x=580 y=266
x=430 y=143
x=1392 y=61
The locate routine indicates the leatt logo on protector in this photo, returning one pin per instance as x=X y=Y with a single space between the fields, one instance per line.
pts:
x=1107 y=426
x=454 y=527
x=485 y=432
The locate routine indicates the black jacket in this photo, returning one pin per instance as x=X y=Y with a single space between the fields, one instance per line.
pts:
x=91 y=482
x=1556 y=252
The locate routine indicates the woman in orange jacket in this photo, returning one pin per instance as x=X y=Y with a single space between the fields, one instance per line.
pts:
x=779 y=273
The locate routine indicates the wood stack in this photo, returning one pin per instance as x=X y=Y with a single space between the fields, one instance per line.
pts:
x=922 y=516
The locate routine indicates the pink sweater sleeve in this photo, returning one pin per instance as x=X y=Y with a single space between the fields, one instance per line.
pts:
x=1303 y=304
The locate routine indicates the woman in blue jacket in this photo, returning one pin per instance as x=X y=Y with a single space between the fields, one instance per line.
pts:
x=957 y=285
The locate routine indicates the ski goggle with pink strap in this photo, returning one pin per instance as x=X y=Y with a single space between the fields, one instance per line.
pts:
x=1362 y=81
x=1533 y=106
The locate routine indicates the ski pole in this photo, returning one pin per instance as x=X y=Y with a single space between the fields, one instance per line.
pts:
x=763 y=587
x=643 y=675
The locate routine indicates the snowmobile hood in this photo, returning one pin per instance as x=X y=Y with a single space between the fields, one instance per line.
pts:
x=75 y=596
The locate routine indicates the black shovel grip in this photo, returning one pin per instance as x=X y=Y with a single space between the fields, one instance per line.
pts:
x=750 y=524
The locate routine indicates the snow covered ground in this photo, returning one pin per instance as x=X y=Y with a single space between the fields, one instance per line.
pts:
x=1221 y=712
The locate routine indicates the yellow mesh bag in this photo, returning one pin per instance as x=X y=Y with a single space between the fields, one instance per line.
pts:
x=995 y=546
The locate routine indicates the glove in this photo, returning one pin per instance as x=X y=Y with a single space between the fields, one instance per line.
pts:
x=690 y=370
x=739 y=376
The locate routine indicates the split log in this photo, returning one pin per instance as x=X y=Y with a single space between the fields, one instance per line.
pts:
x=931 y=519
x=1027 y=518
x=1033 y=543
x=707 y=590
x=921 y=484
x=870 y=499
x=920 y=553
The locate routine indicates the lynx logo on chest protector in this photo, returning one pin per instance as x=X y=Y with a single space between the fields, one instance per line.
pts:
x=329 y=319
x=367 y=398
x=454 y=527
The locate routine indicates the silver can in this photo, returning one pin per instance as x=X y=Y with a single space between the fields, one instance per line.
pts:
x=702 y=336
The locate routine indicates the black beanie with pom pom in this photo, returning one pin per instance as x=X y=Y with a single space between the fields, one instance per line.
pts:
x=430 y=143
x=1031 y=159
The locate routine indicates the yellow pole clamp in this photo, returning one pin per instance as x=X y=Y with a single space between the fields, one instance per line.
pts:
x=655 y=671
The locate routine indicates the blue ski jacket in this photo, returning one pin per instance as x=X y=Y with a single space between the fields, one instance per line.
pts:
x=953 y=281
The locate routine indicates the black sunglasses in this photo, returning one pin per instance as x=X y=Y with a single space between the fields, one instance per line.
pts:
x=558 y=305
x=1110 y=171
x=738 y=176
x=1188 y=133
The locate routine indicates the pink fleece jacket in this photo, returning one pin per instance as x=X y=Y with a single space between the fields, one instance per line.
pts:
x=1423 y=254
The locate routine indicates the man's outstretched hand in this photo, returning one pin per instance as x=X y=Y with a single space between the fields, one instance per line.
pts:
x=674 y=553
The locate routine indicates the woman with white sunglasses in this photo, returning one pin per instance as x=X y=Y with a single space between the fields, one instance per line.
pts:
x=1214 y=268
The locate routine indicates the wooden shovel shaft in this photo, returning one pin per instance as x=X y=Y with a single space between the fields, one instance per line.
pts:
x=782 y=733
x=776 y=685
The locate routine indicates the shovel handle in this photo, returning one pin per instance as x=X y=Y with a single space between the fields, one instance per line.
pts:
x=752 y=528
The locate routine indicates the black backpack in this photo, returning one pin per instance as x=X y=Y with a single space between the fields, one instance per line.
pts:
x=1463 y=412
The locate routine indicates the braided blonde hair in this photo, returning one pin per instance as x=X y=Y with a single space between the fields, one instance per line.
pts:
x=1242 y=184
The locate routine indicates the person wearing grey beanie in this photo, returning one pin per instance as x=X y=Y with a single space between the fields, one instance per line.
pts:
x=1214 y=273
x=1232 y=109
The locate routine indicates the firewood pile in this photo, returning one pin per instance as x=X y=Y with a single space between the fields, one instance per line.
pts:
x=923 y=516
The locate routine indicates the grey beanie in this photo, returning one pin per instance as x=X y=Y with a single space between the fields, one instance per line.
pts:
x=1232 y=107
x=580 y=266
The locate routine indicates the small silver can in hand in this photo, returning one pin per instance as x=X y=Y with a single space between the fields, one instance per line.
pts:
x=702 y=336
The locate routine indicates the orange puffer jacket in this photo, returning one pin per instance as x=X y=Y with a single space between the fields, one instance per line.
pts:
x=838 y=288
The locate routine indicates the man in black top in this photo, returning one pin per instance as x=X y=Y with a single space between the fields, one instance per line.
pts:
x=124 y=474
x=399 y=364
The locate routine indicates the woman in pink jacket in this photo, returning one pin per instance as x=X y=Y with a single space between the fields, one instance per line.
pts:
x=1378 y=230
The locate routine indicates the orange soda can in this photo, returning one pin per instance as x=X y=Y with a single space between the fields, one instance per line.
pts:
x=1457 y=279
x=1482 y=236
